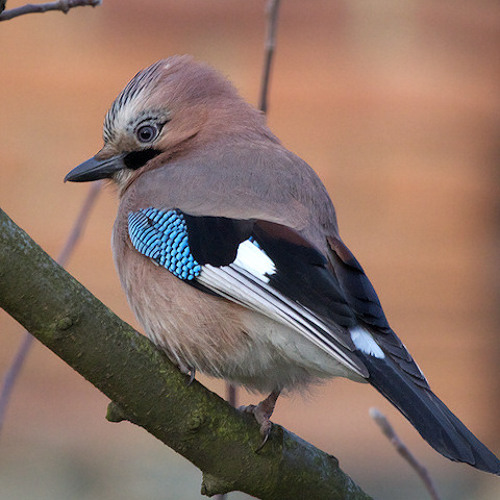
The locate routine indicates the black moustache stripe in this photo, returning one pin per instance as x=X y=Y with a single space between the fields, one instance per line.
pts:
x=137 y=159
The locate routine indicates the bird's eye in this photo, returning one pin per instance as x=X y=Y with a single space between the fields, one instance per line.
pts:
x=147 y=133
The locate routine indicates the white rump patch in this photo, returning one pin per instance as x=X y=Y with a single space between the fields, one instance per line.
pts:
x=363 y=340
x=254 y=260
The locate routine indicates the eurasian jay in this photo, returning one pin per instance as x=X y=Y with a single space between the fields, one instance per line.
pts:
x=228 y=250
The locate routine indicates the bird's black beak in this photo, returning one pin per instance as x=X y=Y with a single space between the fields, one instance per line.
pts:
x=95 y=169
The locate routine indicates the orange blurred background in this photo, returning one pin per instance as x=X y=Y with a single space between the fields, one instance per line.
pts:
x=394 y=103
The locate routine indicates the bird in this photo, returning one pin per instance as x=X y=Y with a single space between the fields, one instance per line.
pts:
x=228 y=249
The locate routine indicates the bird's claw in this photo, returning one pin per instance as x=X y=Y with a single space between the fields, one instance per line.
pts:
x=262 y=417
x=262 y=414
x=265 y=431
x=190 y=371
x=192 y=375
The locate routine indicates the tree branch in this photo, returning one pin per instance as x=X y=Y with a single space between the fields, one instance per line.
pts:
x=63 y=5
x=148 y=390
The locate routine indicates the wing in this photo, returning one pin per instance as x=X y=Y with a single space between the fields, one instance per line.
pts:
x=263 y=266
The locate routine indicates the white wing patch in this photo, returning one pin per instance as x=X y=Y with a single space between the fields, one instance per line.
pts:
x=253 y=259
x=363 y=340
x=246 y=282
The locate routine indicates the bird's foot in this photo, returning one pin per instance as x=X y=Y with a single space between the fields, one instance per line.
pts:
x=262 y=414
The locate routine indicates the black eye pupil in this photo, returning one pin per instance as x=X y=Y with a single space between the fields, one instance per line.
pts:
x=146 y=133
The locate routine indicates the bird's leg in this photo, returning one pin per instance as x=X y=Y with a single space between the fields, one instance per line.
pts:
x=262 y=413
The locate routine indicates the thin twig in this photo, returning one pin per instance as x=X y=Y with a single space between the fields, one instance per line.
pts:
x=13 y=374
x=79 y=224
x=273 y=8
x=62 y=5
x=15 y=368
x=388 y=431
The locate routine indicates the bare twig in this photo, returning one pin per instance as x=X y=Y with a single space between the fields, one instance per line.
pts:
x=79 y=224
x=15 y=368
x=388 y=431
x=273 y=7
x=62 y=5
x=13 y=374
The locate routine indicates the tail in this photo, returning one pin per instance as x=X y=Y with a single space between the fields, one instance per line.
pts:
x=430 y=416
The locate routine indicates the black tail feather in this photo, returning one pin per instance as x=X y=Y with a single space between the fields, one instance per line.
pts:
x=430 y=416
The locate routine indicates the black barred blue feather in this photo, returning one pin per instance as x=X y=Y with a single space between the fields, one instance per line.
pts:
x=163 y=237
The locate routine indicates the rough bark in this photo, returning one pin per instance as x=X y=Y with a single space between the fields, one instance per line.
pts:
x=149 y=391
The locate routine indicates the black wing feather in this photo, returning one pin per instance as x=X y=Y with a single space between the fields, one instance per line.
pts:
x=215 y=240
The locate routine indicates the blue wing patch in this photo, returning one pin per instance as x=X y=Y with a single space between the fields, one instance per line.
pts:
x=163 y=236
